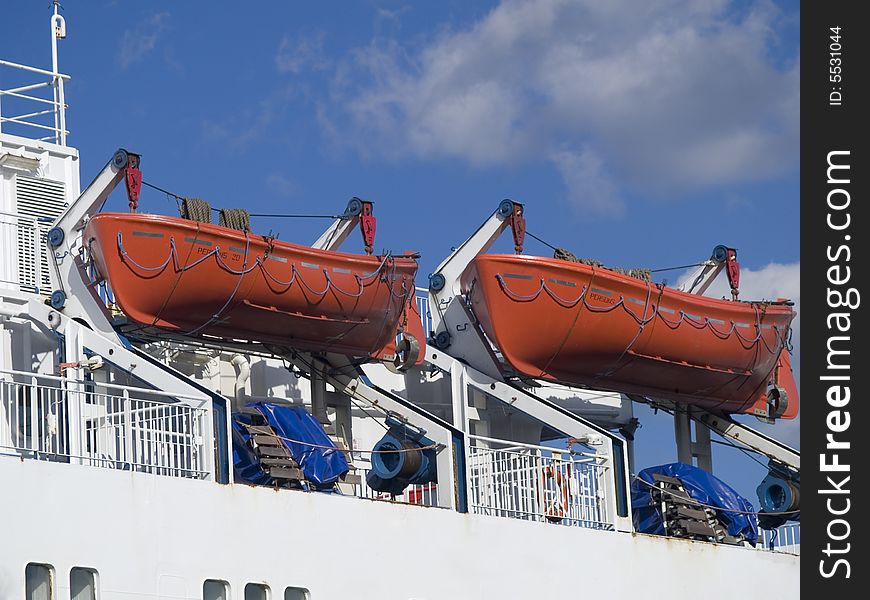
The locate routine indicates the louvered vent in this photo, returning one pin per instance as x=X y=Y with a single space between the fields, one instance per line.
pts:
x=39 y=203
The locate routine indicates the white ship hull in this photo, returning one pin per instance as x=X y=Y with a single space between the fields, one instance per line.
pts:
x=151 y=537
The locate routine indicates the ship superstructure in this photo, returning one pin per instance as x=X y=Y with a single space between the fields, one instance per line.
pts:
x=157 y=457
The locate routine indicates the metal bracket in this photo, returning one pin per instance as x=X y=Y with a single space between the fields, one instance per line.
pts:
x=518 y=226
x=133 y=180
x=367 y=225
x=69 y=273
x=732 y=268
x=357 y=211
x=708 y=270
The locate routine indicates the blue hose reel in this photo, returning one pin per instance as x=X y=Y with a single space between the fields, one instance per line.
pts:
x=404 y=456
x=778 y=493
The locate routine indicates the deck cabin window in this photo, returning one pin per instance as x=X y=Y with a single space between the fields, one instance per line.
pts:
x=256 y=591
x=82 y=584
x=38 y=584
x=215 y=589
x=296 y=593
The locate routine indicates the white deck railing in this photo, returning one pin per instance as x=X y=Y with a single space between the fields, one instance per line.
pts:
x=421 y=495
x=25 y=106
x=786 y=538
x=104 y=425
x=422 y=299
x=536 y=483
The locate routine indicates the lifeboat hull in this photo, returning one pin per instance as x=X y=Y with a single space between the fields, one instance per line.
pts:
x=592 y=327
x=200 y=279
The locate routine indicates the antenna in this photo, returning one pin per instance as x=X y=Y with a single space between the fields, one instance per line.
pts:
x=58 y=32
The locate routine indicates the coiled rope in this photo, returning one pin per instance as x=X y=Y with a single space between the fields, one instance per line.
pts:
x=195 y=209
x=235 y=218
x=566 y=255
x=206 y=218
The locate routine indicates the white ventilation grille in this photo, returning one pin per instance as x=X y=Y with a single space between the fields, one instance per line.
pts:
x=39 y=203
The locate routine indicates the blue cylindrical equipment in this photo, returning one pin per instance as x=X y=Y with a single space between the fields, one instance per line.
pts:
x=402 y=457
x=778 y=495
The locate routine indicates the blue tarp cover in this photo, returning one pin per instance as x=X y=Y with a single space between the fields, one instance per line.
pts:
x=246 y=467
x=322 y=466
x=701 y=486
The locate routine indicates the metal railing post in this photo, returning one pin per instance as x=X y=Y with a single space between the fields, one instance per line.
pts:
x=31 y=426
x=127 y=429
x=200 y=452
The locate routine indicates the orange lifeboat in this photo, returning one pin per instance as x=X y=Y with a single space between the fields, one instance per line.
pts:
x=200 y=279
x=590 y=326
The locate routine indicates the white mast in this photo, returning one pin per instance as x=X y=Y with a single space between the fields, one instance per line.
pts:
x=58 y=31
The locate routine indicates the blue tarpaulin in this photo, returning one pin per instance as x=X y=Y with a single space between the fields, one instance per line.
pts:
x=701 y=486
x=246 y=467
x=321 y=462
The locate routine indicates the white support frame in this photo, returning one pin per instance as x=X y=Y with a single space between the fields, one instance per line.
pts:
x=448 y=312
x=340 y=228
x=706 y=272
x=342 y=373
x=452 y=267
x=78 y=337
x=67 y=271
x=703 y=277
x=83 y=303
x=335 y=234
x=749 y=437
x=736 y=432
x=464 y=377
x=111 y=349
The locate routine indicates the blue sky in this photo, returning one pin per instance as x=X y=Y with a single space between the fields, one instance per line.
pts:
x=639 y=133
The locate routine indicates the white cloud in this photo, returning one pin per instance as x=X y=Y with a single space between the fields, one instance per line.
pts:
x=772 y=281
x=587 y=182
x=136 y=43
x=280 y=185
x=297 y=54
x=238 y=131
x=768 y=283
x=671 y=95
